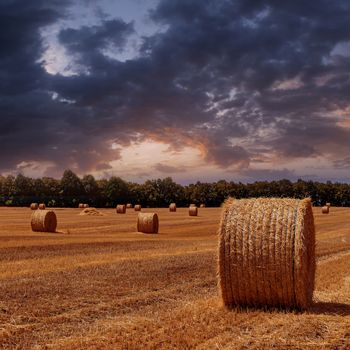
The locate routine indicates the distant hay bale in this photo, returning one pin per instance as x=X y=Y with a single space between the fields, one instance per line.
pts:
x=86 y=205
x=44 y=221
x=137 y=207
x=147 y=223
x=328 y=204
x=121 y=209
x=202 y=205
x=129 y=206
x=91 y=212
x=81 y=205
x=42 y=206
x=193 y=211
x=325 y=210
x=34 y=206
x=267 y=253
x=172 y=207
x=192 y=205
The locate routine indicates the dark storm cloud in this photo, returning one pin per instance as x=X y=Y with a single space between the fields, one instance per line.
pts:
x=231 y=78
x=95 y=38
x=33 y=125
x=20 y=43
x=25 y=107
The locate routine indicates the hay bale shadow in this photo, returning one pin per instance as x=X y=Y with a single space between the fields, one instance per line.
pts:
x=330 y=308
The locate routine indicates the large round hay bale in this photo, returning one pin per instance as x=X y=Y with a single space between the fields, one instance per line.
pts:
x=121 y=209
x=325 y=210
x=172 y=207
x=81 y=205
x=267 y=253
x=129 y=206
x=147 y=223
x=193 y=211
x=42 y=206
x=137 y=207
x=86 y=205
x=44 y=221
x=202 y=205
x=34 y=206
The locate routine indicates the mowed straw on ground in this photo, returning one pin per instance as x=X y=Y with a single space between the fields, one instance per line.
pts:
x=98 y=284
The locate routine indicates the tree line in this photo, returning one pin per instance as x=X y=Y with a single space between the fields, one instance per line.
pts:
x=70 y=190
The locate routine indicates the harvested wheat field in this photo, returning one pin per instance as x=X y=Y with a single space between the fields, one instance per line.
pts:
x=99 y=284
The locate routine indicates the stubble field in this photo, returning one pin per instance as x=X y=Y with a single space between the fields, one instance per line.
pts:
x=98 y=284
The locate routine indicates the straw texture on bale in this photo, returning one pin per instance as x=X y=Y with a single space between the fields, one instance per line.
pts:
x=129 y=206
x=34 y=206
x=86 y=205
x=325 y=210
x=267 y=253
x=147 y=223
x=44 y=221
x=202 y=205
x=121 y=209
x=172 y=207
x=42 y=206
x=328 y=204
x=81 y=205
x=193 y=211
x=137 y=207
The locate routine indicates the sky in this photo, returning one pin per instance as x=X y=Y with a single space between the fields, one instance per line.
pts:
x=241 y=90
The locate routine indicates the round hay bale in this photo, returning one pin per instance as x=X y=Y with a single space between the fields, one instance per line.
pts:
x=325 y=210
x=42 y=206
x=192 y=205
x=267 y=253
x=81 y=205
x=137 y=207
x=328 y=204
x=147 y=223
x=192 y=211
x=44 y=221
x=202 y=205
x=86 y=205
x=121 y=209
x=172 y=207
x=129 y=206
x=34 y=206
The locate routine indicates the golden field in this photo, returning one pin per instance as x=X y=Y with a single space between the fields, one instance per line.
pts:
x=98 y=284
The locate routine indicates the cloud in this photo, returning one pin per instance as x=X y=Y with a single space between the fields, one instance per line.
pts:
x=240 y=81
x=268 y=174
x=168 y=169
x=342 y=163
x=87 y=39
x=20 y=43
x=92 y=45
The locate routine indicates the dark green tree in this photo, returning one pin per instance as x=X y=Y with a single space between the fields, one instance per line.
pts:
x=23 y=186
x=116 y=191
x=90 y=186
x=71 y=185
x=162 y=192
x=8 y=186
x=51 y=187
